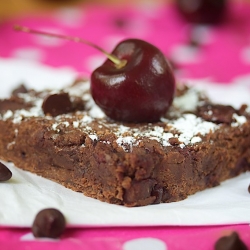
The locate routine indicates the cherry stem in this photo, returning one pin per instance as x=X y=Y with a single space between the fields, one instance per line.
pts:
x=119 y=63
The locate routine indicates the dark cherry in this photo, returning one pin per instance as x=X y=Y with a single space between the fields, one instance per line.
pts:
x=5 y=173
x=141 y=90
x=135 y=84
x=49 y=223
x=231 y=242
x=202 y=11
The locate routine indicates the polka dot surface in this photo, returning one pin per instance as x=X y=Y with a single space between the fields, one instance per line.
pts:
x=219 y=52
x=145 y=244
x=185 y=54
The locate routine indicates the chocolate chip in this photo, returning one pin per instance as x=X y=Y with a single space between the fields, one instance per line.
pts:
x=20 y=89
x=57 y=104
x=5 y=173
x=249 y=189
x=49 y=223
x=217 y=113
x=231 y=242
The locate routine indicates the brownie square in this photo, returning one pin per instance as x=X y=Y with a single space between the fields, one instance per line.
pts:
x=195 y=146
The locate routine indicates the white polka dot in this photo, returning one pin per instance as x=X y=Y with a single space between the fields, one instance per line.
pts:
x=32 y=54
x=151 y=9
x=71 y=17
x=245 y=55
x=30 y=237
x=94 y=61
x=49 y=41
x=202 y=34
x=145 y=244
x=185 y=54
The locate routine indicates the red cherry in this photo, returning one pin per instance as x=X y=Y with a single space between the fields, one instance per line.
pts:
x=135 y=83
x=202 y=11
x=141 y=90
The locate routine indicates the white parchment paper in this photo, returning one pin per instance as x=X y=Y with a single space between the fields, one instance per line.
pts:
x=25 y=194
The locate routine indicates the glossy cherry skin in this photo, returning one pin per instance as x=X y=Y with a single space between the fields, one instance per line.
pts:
x=140 y=91
x=202 y=11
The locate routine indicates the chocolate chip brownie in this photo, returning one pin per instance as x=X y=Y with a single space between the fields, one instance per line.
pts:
x=65 y=137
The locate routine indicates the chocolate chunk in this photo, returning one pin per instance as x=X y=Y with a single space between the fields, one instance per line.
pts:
x=57 y=104
x=217 y=113
x=231 y=242
x=5 y=173
x=166 y=196
x=20 y=89
x=49 y=223
x=140 y=190
x=242 y=164
x=157 y=192
x=14 y=103
x=243 y=109
x=174 y=141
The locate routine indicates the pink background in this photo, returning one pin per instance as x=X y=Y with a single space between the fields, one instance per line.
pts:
x=223 y=55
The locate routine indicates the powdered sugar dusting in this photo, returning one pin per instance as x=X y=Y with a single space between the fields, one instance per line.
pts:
x=187 y=102
x=75 y=124
x=7 y=115
x=126 y=142
x=190 y=126
x=196 y=139
x=93 y=137
x=186 y=127
x=239 y=120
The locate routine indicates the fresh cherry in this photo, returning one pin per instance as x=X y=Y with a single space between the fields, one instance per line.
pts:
x=135 y=83
x=139 y=91
x=202 y=11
